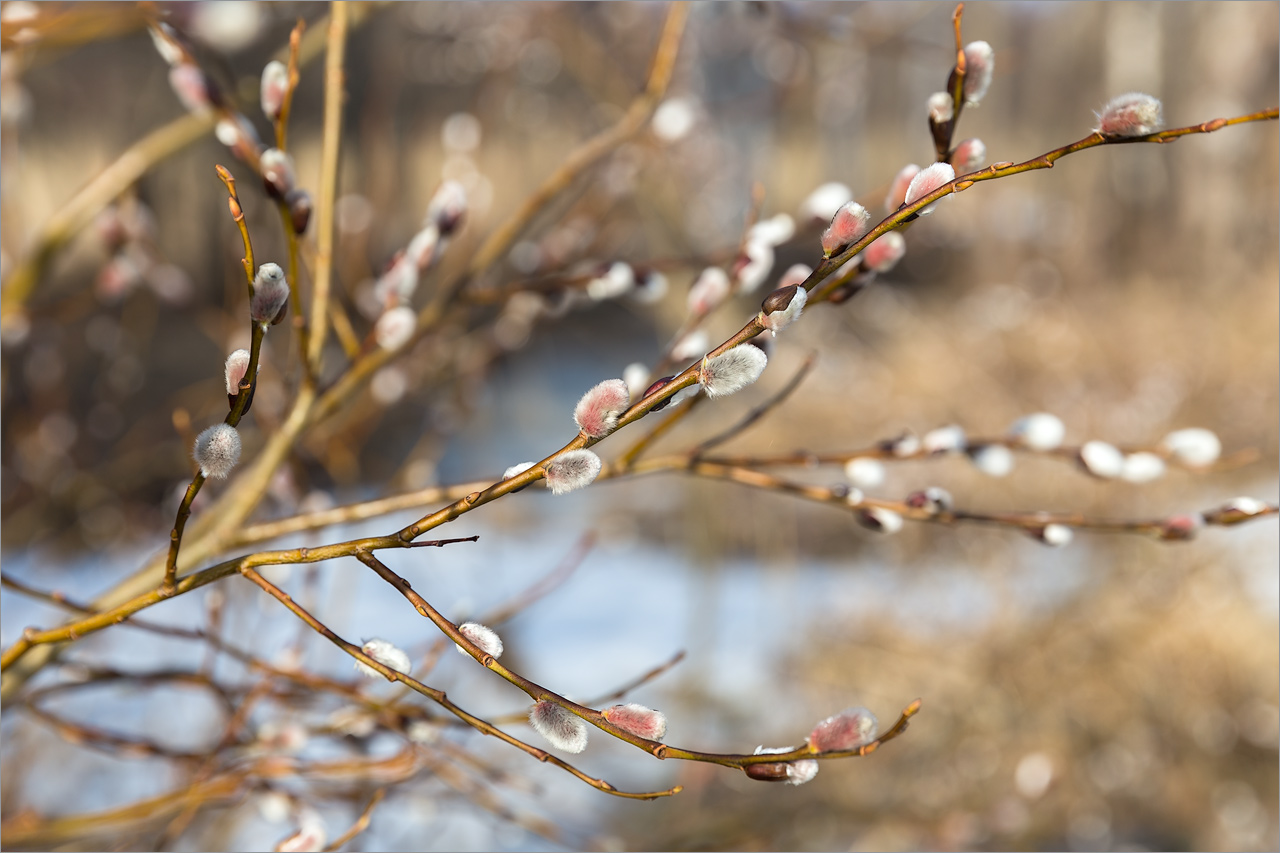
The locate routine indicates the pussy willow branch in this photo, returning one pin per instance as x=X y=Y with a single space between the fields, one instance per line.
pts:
x=539 y=693
x=361 y=824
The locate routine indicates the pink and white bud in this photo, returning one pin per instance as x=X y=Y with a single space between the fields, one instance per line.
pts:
x=884 y=254
x=821 y=204
x=1142 y=467
x=636 y=375
x=1041 y=431
x=270 y=294
x=732 y=370
x=947 y=439
x=395 y=327
x=217 y=450
x=795 y=274
x=482 y=637
x=278 y=174
x=846 y=228
x=518 y=468
x=782 y=307
x=926 y=182
x=1181 y=528
x=904 y=446
x=397 y=282
x=979 y=64
x=311 y=836
x=898 y=189
x=236 y=367
x=853 y=496
x=932 y=500
x=773 y=231
x=562 y=729
x=1130 y=114
x=879 y=519
x=1102 y=460
x=1196 y=447
x=612 y=283
x=597 y=412
x=423 y=248
x=994 y=460
x=386 y=654
x=191 y=87
x=850 y=729
x=970 y=154
x=692 y=345
x=708 y=290
x=753 y=266
x=1053 y=535
x=865 y=472
x=941 y=108
x=638 y=720
x=274 y=85
x=572 y=470
x=447 y=208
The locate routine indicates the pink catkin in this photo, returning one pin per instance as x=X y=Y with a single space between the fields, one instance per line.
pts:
x=1130 y=114
x=638 y=720
x=847 y=226
x=851 y=728
x=898 y=189
x=884 y=254
x=926 y=182
x=598 y=410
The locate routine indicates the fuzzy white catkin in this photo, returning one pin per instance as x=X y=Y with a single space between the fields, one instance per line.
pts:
x=270 y=293
x=572 y=470
x=236 y=367
x=1101 y=459
x=562 y=729
x=980 y=64
x=395 y=327
x=733 y=370
x=1194 y=446
x=865 y=472
x=823 y=202
x=994 y=460
x=275 y=82
x=386 y=654
x=217 y=450
x=484 y=637
x=1039 y=431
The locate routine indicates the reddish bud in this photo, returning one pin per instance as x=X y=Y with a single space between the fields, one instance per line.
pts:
x=898 y=189
x=969 y=155
x=656 y=386
x=941 y=108
x=236 y=367
x=926 y=182
x=597 y=412
x=850 y=729
x=846 y=228
x=884 y=254
x=979 y=65
x=638 y=720
x=932 y=500
x=708 y=290
x=1180 y=528
x=1131 y=114
x=274 y=85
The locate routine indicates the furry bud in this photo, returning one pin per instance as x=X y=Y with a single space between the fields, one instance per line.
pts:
x=483 y=637
x=879 y=519
x=947 y=439
x=898 y=189
x=236 y=367
x=708 y=291
x=994 y=460
x=386 y=654
x=846 y=228
x=732 y=370
x=518 y=468
x=614 y=281
x=1237 y=510
x=773 y=231
x=447 y=208
x=782 y=307
x=1102 y=460
x=395 y=327
x=884 y=254
x=927 y=181
x=941 y=108
x=1142 y=467
x=597 y=412
x=1195 y=447
x=864 y=472
x=562 y=729
x=932 y=500
x=299 y=201
x=275 y=83
x=1180 y=528
x=278 y=175
x=792 y=772
x=1131 y=114
x=979 y=64
x=572 y=470
x=850 y=729
x=217 y=450
x=270 y=294
x=1054 y=535
x=638 y=720
x=1041 y=431
x=191 y=86
x=969 y=155
x=753 y=265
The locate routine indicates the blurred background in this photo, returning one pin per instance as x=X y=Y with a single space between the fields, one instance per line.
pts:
x=1117 y=694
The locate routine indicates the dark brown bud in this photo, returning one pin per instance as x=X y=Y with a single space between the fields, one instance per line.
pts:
x=655 y=387
x=231 y=399
x=281 y=314
x=779 y=299
x=299 y=201
x=767 y=772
